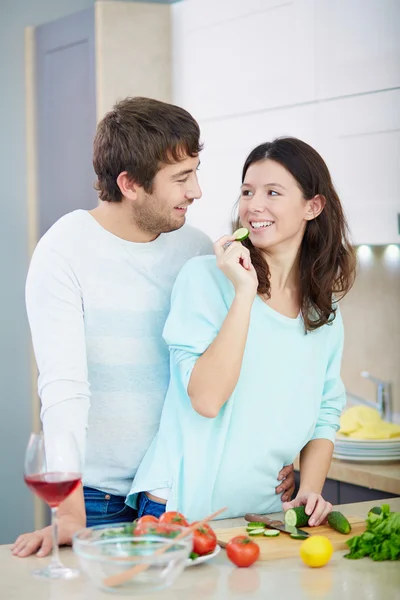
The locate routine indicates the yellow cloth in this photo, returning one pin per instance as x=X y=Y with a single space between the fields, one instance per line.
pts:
x=364 y=423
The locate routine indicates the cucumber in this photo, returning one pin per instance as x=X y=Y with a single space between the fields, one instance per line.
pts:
x=376 y=510
x=338 y=522
x=255 y=525
x=271 y=533
x=296 y=517
x=298 y=536
x=255 y=531
x=241 y=234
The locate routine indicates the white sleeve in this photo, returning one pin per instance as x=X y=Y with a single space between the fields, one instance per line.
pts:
x=55 y=313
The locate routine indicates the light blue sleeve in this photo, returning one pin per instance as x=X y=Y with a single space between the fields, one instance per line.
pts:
x=334 y=394
x=199 y=304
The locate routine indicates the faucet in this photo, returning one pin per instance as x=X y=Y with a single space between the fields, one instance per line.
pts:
x=383 y=402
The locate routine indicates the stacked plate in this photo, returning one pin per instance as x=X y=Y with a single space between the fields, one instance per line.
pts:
x=355 y=450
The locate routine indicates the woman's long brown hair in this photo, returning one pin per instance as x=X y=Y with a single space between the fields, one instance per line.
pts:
x=327 y=259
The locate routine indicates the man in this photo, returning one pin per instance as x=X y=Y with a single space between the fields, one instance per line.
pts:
x=97 y=295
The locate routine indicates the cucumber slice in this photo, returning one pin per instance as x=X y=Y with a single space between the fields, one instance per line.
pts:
x=298 y=536
x=241 y=234
x=296 y=517
x=271 y=533
x=255 y=531
x=255 y=525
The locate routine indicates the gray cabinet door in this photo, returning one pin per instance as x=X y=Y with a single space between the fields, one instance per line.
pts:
x=66 y=116
x=350 y=493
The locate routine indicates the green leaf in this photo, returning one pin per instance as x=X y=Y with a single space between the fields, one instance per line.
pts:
x=381 y=540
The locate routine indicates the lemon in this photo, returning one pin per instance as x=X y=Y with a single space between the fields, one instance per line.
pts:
x=316 y=551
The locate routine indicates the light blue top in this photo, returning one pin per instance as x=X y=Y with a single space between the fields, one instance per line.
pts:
x=289 y=392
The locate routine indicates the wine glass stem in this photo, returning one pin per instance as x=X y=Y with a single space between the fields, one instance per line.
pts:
x=55 y=561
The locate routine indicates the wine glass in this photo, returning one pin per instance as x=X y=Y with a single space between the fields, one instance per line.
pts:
x=53 y=471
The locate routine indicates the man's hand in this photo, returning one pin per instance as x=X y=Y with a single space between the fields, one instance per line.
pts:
x=41 y=542
x=71 y=518
x=316 y=507
x=287 y=485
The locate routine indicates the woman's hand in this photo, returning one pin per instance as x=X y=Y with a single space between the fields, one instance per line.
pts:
x=235 y=263
x=316 y=507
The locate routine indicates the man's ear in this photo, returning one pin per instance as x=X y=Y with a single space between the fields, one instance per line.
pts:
x=128 y=187
x=315 y=206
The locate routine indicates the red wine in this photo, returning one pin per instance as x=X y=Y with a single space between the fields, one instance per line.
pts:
x=53 y=488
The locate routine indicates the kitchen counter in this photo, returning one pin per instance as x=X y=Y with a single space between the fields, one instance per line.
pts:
x=287 y=578
x=383 y=477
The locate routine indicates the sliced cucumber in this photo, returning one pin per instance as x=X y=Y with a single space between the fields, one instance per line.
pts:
x=241 y=234
x=298 y=536
x=255 y=525
x=296 y=517
x=255 y=531
x=271 y=532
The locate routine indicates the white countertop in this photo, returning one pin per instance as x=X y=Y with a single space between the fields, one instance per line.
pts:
x=341 y=579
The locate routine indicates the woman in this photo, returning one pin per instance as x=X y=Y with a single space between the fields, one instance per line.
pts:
x=255 y=338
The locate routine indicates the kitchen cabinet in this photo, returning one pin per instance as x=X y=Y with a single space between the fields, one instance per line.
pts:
x=81 y=65
x=349 y=493
x=66 y=117
x=235 y=57
x=357 y=46
x=340 y=59
x=359 y=139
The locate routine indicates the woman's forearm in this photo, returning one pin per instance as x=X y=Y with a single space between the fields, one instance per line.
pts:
x=217 y=371
x=315 y=460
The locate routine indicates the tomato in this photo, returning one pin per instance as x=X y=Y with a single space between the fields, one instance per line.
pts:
x=145 y=525
x=242 y=551
x=174 y=518
x=147 y=519
x=204 y=540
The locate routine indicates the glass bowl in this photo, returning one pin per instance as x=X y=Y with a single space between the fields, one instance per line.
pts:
x=107 y=550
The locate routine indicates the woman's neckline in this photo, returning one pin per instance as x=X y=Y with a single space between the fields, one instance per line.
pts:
x=279 y=315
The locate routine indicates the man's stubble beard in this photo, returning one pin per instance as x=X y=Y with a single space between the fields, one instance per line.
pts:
x=150 y=218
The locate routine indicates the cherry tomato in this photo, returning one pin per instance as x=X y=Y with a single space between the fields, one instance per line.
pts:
x=242 y=551
x=147 y=519
x=204 y=540
x=174 y=518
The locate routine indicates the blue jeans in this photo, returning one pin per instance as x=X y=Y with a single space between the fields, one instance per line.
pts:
x=105 y=509
x=149 y=507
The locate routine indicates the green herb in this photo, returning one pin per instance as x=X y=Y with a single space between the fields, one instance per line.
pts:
x=381 y=540
x=194 y=555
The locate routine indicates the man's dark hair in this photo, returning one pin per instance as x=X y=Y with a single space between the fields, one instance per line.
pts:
x=138 y=136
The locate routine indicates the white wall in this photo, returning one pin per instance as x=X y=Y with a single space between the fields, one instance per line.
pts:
x=16 y=505
x=327 y=72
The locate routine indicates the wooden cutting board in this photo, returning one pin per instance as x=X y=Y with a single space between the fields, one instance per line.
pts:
x=284 y=546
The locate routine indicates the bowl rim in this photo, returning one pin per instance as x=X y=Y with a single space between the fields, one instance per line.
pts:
x=79 y=545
